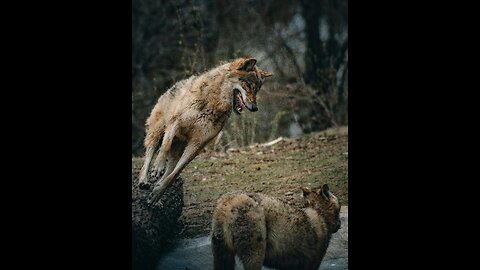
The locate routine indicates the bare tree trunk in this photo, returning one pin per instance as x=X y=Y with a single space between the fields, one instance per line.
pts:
x=212 y=34
x=314 y=51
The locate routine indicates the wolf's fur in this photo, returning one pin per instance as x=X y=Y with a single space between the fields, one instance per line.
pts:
x=192 y=112
x=263 y=230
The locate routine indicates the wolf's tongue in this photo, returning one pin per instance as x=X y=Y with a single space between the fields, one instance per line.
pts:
x=240 y=101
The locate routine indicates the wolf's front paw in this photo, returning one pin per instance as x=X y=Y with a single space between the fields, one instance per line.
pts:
x=144 y=185
x=157 y=173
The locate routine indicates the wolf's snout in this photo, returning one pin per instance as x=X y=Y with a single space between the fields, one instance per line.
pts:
x=251 y=106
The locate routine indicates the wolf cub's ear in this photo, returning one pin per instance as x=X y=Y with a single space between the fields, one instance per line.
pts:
x=265 y=74
x=325 y=192
x=247 y=64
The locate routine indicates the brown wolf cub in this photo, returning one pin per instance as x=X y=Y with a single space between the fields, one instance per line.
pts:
x=191 y=113
x=263 y=230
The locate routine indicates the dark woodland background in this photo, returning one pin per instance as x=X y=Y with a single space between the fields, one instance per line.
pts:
x=304 y=43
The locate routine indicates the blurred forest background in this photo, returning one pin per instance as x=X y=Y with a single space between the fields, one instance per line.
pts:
x=304 y=43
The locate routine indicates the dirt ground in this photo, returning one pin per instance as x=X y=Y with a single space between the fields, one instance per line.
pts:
x=279 y=170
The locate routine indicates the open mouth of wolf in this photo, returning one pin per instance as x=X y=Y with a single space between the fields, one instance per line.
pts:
x=238 y=103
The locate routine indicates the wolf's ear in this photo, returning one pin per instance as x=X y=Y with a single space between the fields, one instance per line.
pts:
x=265 y=74
x=305 y=191
x=325 y=191
x=247 y=64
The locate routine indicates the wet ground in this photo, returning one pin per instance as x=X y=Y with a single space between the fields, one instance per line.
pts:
x=196 y=254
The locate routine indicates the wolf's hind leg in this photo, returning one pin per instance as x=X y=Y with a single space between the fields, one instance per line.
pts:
x=159 y=164
x=223 y=256
x=250 y=242
x=142 y=179
x=191 y=151
x=174 y=156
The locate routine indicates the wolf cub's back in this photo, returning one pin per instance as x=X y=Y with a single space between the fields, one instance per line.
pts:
x=263 y=230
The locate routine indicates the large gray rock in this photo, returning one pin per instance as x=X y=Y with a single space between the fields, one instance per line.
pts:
x=154 y=227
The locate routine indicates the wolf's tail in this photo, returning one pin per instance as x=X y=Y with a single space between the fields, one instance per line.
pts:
x=223 y=255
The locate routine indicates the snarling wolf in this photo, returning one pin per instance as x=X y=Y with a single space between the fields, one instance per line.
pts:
x=191 y=113
x=263 y=230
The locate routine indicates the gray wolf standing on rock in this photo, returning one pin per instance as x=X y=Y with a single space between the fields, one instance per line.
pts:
x=263 y=230
x=191 y=113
